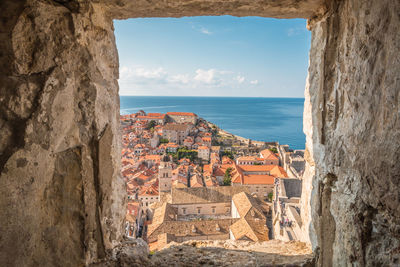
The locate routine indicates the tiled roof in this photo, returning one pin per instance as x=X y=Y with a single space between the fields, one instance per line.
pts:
x=247 y=158
x=256 y=168
x=258 y=179
x=162 y=214
x=172 y=145
x=268 y=154
x=196 y=181
x=148 y=191
x=163 y=222
x=252 y=223
x=219 y=194
x=278 y=171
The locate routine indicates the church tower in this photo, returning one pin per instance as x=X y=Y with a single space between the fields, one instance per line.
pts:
x=165 y=174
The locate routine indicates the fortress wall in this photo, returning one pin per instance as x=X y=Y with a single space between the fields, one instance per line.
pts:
x=62 y=200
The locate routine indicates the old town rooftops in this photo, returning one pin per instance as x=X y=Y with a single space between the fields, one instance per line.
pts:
x=221 y=194
x=252 y=219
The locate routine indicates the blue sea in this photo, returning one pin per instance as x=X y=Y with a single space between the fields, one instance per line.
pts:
x=261 y=119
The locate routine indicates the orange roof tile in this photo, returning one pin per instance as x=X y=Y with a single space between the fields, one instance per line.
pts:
x=258 y=179
x=268 y=154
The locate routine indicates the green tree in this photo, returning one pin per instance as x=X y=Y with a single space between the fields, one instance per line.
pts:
x=183 y=152
x=270 y=196
x=273 y=150
x=229 y=154
x=151 y=125
x=228 y=176
x=164 y=140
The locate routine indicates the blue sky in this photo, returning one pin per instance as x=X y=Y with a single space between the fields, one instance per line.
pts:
x=213 y=56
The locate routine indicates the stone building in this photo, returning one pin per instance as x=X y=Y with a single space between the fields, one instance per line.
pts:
x=148 y=195
x=269 y=157
x=182 y=117
x=245 y=219
x=203 y=152
x=165 y=222
x=165 y=175
x=175 y=133
x=204 y=201
x=259 y=179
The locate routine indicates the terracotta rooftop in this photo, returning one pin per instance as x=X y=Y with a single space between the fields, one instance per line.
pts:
x=268 y=154
x=258 y=179
x=148 y=191
x=196 y=181
x=162 y=214
x=252 y=223
x=247 y=158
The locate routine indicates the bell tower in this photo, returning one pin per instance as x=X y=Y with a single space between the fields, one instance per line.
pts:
x=165 y=174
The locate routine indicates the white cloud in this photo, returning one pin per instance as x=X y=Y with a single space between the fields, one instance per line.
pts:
x=254 y=82
x=205 y=31
x=179 y=78
x=239 y=79
x=206 y=76
x=141 y=80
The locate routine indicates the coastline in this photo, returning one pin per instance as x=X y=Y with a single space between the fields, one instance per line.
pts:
x=224 y=133
x=260 y=119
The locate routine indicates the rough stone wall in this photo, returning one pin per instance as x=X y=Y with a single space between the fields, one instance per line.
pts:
x=61 y=198
x=351 y=120
x=123 y=9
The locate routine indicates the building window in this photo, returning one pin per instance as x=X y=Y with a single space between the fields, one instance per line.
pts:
x=184 y=211
x=213 y=210
x=198 y=210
